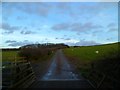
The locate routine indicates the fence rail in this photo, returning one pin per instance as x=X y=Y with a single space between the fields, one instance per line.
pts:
x=17 y=74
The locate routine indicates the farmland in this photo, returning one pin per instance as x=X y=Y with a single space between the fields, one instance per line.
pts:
x=91 y=53
x=103 y=58
x=10 y=55
x=82 y=59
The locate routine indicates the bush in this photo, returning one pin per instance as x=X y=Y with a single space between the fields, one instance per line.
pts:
x=33 y=53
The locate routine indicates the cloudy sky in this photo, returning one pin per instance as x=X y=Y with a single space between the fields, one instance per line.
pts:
x=72 y=23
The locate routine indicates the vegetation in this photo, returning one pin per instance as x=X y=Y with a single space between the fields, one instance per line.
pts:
x=91 y=53
x=39 y=51
x=45 y=45
x=31 y=52
x=102 y=58
x=10 y=55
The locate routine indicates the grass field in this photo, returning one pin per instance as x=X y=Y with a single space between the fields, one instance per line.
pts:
x=10 y=55
x=104 y=57
x=91 y=53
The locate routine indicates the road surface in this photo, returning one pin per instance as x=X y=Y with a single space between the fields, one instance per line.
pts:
x=60 y=69
x=61 y=75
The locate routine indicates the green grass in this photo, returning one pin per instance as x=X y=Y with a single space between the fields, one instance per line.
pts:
x=88 y=53
x=10 y=56
x=83 y=57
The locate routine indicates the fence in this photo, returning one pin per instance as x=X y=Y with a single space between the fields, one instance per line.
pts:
x=102 y=80
x=17 y=74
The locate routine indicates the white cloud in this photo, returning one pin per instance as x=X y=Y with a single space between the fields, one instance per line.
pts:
x=83 y=43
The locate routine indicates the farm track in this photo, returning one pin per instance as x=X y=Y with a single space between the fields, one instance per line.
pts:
x=60 y=75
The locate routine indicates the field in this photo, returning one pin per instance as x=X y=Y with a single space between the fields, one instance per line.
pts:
x=85 y=60
x=101 y=58
x=91 y=53
x=10 y=55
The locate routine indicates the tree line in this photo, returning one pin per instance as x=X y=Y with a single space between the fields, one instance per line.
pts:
x=37 y=51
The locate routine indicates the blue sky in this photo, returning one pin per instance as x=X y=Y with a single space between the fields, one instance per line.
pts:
x=72 y=23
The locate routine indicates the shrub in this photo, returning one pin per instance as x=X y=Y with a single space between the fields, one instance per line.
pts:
x=33 y=53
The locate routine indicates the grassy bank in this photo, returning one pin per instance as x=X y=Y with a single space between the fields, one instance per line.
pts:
x=102 y=58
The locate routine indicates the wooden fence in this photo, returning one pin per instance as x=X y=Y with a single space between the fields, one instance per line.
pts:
x=17 y=75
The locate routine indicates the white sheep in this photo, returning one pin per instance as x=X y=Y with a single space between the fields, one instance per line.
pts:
x=97 y=52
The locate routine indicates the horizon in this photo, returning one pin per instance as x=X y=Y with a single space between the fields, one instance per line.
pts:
x=71 y=23
x=59 y=43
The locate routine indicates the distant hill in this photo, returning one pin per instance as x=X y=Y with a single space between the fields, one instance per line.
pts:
x=46 y=45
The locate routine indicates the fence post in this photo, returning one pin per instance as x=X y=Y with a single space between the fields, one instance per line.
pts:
x=92 y=66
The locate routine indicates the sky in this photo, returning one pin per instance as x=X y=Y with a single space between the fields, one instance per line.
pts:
x=72 y=23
